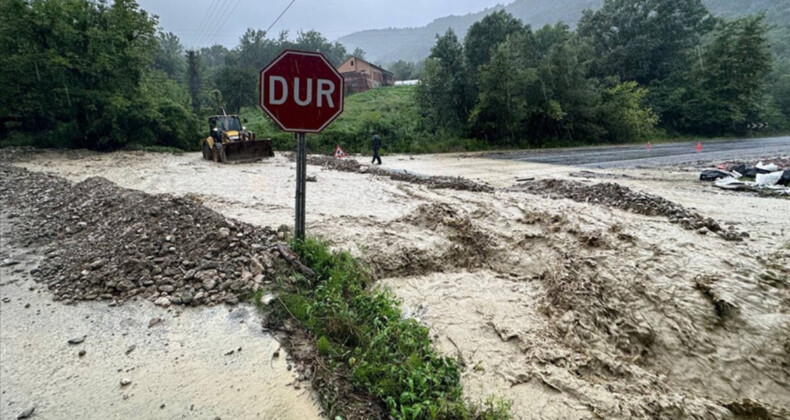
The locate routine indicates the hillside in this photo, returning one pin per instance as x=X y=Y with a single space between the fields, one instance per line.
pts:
x=414 y=44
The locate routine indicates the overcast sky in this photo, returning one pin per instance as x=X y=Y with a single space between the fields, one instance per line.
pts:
x=333 y=18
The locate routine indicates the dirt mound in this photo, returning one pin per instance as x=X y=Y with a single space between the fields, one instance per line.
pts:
x=435 y=182
x=109 y=243
x=624 y=198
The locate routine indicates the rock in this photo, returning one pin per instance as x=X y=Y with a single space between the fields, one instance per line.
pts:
x=209 y=284
x=167 y=288
x=77 y=340
x=154 y=321
x=311 y=178
x=9 y=262
x=82 y=353
x=224 y=232
x=131 y=348
x=186 y=298
x=97 y=264
x=124 y=286
x=255 y=266
x=125 y=381
x=26 y=414
x=163 y=302
x=268 y=298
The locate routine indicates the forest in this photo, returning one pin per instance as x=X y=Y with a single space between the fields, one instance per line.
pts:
x=104 y=75
x=633 y=69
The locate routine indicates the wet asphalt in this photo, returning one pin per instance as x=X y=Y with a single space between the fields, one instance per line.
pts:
x=658 y=155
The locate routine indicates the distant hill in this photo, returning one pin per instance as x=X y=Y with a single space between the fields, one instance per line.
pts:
x=386 y=46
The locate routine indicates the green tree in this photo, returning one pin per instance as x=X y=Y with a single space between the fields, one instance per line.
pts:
x=779 y=92
x=359 y=53
x=314 y=41
x=502 y=109
x=644 y=40
x=442 y=93
x=169 y=56
x=80 y=73
x=238 y=85
x=485 y=36
x=624 y=114
x=734 y=69
x=724 y=91
x=404 y=70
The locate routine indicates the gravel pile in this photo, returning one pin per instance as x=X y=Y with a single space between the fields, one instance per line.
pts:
x=624 y=198
x=109 y=243
x=435 y=182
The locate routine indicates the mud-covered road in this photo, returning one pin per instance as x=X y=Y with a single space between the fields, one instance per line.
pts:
x=655 y=297
x=665 y=154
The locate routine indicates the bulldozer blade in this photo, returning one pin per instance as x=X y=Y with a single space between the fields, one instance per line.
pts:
x=248 y=151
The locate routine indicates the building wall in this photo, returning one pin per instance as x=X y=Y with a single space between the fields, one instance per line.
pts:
x=361 y=75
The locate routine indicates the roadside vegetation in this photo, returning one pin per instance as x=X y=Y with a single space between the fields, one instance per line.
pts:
x=104 y=76
x=359 y=329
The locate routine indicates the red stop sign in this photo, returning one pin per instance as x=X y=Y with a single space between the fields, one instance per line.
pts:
x=301 y=91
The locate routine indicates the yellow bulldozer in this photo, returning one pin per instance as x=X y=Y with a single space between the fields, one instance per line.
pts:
x=230 y=142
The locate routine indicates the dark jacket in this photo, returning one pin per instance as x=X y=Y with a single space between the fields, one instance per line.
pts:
x=376 y=142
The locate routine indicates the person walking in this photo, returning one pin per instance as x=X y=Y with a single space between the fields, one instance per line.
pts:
x=375 y=145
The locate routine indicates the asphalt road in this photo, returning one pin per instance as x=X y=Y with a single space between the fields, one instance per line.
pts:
x=667 y=154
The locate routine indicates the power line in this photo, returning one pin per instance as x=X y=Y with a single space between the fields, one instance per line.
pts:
x=220 y=13
x=225 y=20
x=279 y=17
x=203 y=27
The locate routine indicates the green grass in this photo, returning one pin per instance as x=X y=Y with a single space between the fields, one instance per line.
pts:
x=362 y=330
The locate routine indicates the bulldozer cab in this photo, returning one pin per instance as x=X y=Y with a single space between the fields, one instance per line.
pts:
x=225 y=123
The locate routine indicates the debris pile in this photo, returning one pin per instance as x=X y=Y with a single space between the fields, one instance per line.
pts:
x=761 y=178
x=624 y=198
x=434 y=182
x=109 y=243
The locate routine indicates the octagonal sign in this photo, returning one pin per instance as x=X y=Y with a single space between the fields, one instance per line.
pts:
x=301 y=91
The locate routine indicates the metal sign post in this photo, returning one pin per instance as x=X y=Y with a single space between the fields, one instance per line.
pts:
x=301 y=184
x=302 y=92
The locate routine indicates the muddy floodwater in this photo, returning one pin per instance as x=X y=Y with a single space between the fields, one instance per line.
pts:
x=569 y=309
